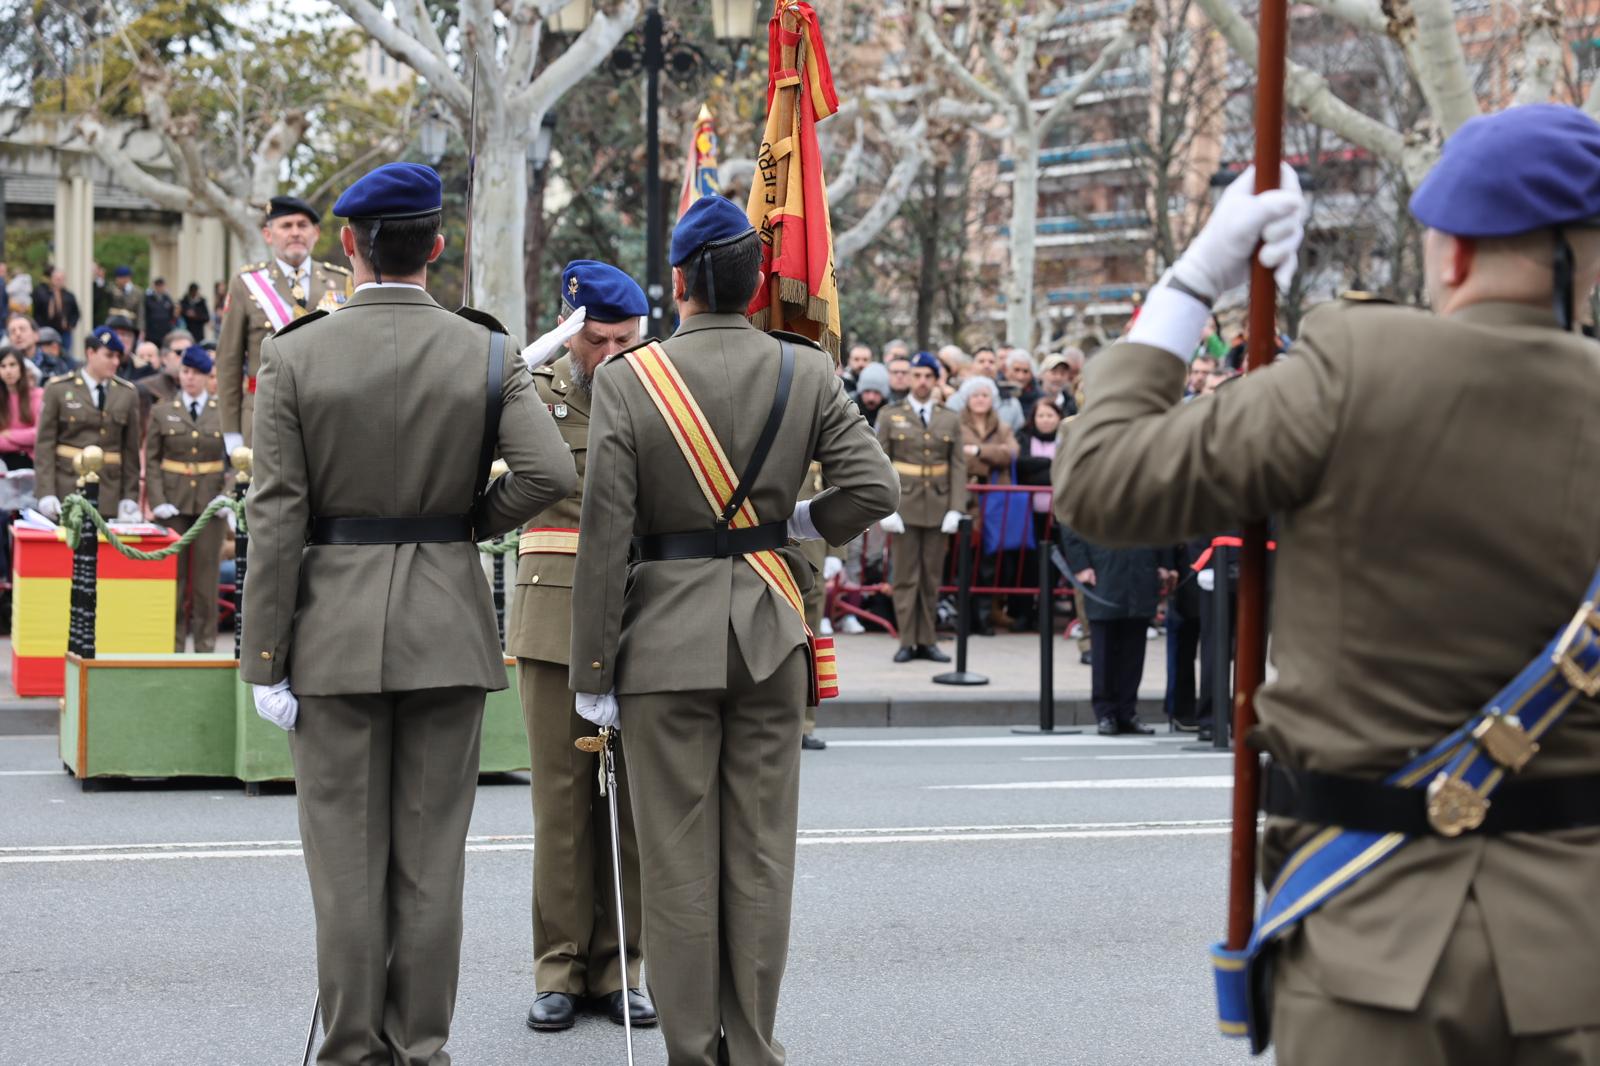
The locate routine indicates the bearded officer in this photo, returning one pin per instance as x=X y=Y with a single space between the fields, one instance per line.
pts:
x=701 y=639
x=922 y=438
x=91 y=406
x=368 y=625
x=1424 y=465
x=575 y=934
x=184 y=471
x=266 y=296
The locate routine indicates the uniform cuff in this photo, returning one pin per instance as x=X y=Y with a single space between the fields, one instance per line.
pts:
x=1172 y=321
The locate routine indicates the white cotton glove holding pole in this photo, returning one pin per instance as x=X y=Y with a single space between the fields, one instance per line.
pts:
x=800 y=525
x=226 y=513
x=832 y=567
x=232 y=442
x=601 y=711
x=128 y=511
x=894 y=524
x=276 y=703
x=1219 y=260
x=164 y=511
x=546 y=347
x=50 y=507
x=951 y=523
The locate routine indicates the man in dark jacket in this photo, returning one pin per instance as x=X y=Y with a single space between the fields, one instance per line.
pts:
x=1123 y=587
x=159 y=312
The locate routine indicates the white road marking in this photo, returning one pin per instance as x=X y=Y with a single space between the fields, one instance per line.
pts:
x=1065 y=741
x=32 y=773
x=1219 y=781
x=271 y=849
x=1121 y=758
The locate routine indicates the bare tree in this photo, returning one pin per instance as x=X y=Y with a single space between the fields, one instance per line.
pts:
x=994 y=56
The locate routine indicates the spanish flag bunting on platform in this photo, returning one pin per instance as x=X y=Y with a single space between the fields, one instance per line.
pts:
x=789 y=199
x=700 y=173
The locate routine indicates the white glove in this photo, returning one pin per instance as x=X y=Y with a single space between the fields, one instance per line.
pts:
x=600 y=710
x=952 y=522
x=49 y=506
x=164 y=511
x=545 y=348
x=1219 y=259
x=128 y=511
x=800 y=525
x=232 y=442
x=894 y=524
x=1207 y=580
x=226 y=514
x=832 y=567
x=276 y=704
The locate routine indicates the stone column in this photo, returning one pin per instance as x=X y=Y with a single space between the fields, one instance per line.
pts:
x=74 y=240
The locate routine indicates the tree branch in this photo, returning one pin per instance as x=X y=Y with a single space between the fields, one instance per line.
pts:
x=409 y=50
x=570 y=67
x=946 y=58
x=1067 y=100
x=527 y=30
x=416 y=20
x=1541 y=51
x=1362 y=14
x=889 y=200
x=97 y=138
x=844 y=182
x=1440 y=64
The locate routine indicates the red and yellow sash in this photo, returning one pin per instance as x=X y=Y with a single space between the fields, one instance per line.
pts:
x=718 y=482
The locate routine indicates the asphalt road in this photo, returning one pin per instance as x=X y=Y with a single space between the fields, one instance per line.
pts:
x=963 y=897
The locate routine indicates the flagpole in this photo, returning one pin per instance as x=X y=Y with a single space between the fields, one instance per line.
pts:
x=655 y=288
x=1250 y=664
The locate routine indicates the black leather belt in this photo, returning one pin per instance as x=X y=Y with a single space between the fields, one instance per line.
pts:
x=392 y=529
x=1535 y=805
x=717 y=543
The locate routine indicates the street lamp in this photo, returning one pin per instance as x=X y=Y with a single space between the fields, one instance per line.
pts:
x=734 y=20
x=433 y=135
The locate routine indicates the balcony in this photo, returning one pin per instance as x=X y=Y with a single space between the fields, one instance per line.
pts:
x=1083 y=153
x=1114 y=293
x=1116 y=82
x=1110 y=220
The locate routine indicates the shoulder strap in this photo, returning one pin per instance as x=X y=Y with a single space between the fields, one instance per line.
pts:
x=493 y=397
x=769 y=432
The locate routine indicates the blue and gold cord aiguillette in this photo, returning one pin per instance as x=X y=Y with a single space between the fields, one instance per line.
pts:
x=1459 y=774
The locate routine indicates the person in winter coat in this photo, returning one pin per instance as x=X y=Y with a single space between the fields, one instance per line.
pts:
x=1124 y=587
x=990 y=448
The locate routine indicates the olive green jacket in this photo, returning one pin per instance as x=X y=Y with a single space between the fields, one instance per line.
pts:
x=69 y=422
x=930 y=462
x=378 y=409
x=173 y=437
x=1434 y=481
x=663 y=626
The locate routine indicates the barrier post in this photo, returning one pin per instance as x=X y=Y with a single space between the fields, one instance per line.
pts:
x=1047 y=650
x=1221 y=651
x=961 y=675
x=85 y=558
x=241 y=458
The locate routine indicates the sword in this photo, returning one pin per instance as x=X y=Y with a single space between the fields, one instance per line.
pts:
x=604 y=746
x=472 y=172
x=311 y=1034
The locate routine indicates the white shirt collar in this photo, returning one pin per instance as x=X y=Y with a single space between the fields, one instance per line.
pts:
x=389 y=285
x=294 y=272
x=189 y=401
x=91 y=379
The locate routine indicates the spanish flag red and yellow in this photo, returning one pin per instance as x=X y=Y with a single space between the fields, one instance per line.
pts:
x=789 y=198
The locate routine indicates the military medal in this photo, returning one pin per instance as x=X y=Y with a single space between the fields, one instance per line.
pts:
x=560 y=410
x=297 y=292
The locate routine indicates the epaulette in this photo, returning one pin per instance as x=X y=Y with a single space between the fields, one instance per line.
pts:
x=68 y=376
x=545 y=370
x=335 y=268
x=796 y=338
x=124 y=383
x=608 y=360
x=298 y=322
x=482 y=318
x=1360 y=296
x=251 y=267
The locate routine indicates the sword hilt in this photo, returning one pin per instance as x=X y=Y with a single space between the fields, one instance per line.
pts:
x=593 y=745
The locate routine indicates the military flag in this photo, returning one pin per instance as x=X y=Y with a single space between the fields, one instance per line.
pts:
x=789 y=199
x=700 y=173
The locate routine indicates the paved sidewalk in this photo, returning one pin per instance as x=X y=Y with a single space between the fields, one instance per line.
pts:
x=19 y=716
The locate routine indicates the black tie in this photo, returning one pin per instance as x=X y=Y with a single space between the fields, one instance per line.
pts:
x=924 y=413
x=100 y=397
x=194 y=410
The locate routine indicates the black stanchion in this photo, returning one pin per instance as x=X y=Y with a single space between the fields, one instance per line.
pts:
x=1047 y=651
x=961 y=675
x=1222 y=653
x=85 y=559
x=500 y=596
x=241 y=547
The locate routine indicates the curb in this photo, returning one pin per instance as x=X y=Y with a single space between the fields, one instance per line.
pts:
x=1072 y=709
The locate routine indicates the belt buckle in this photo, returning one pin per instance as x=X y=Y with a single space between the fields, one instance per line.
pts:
x=1454 y=807
x=1503 y=739
x=1585 y=681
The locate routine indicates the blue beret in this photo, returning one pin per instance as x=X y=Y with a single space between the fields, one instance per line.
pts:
x=195 y=358
x=394 y=190
x=709 y=220
x=1524 y=169
x=123 y=272
x=606 y=293
x=926 y=360
x=106 y=337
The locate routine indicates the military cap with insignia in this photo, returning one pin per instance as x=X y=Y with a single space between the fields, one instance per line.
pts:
x=283 y=206
x=925 y=360
x=605 y=293
x=1525 y=169
x=195 y=358
x=105 y=337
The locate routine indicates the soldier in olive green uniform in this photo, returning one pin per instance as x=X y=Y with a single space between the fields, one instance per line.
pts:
x=263 y=298
x=91 y=406
x=184 y=471
x=368 y=625
x=575 y=934
x=707 y=659
x=923 y=439
x=1433 y=477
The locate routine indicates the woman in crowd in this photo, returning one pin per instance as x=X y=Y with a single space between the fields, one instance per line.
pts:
x=20 y=399
x=196 y=315
x=990 y=449
x=1036 y=450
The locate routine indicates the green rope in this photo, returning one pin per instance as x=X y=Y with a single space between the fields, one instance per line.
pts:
x=75 y=507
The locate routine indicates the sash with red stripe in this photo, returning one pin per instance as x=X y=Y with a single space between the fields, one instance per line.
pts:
x=718 y=483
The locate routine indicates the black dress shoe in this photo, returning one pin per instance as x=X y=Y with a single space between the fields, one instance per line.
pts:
x=552 y=1011
x=1107 y=727
x=1134 y=727
x=932 y=653
x=1084 y=659
x=811 y=743
x=905 y=655
x=642 y=1012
